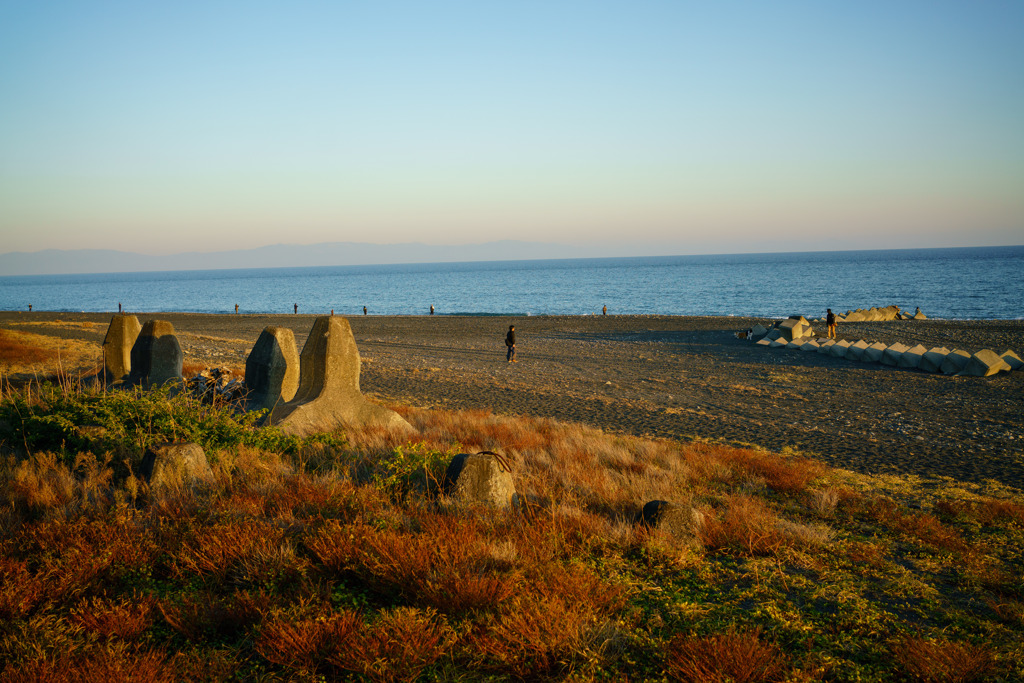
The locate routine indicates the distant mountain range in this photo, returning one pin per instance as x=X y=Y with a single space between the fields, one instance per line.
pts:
x=73 y=261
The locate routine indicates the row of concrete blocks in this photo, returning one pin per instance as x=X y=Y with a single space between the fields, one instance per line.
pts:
x=874 y=314
x=302 y=394
x=984 y=363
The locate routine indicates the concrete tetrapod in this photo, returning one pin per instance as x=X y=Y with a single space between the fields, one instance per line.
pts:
x=873 y=353
x=855 y=351
x=117 y=347
x=328 y=395
x=1012 y=359
x=931 y=360
x=892 y=354
x=954 y=361
x=156 y=355
x=911 y=358
x=985 y=363
x=272 y=369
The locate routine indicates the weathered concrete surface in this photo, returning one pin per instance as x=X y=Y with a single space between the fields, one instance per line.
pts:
x=272 y=369
x=985 y=363
x=174 y=465
x=1012 y=359
x=117 y=347
x=855 y=351
x=328 y=396
x=758 y=330
x=825 y=346
x=480 y=479
x=892 y=354
x=911 y=358
x=954 y=361
x=810 y=345
x=795 y=327
x=931 y=360
x=156 y=355
x=873 y=353
x=839 y=348
x=680 y=521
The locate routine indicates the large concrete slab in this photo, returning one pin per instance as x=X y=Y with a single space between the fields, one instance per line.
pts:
x=272 y=369
x=328 y=396
x=117 y=347
x=156 y=356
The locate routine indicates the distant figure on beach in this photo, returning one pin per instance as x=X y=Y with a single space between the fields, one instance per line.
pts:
x=119 y=307
x=364 y=310
x=510 y=342
x=236 y=308
x=332 y=311
x=604 y=311
x=296 y=309
x=30 y=308
x=830 y=320
x=431 y=309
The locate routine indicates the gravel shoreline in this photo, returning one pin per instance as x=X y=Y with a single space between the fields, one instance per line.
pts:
x=668 y=376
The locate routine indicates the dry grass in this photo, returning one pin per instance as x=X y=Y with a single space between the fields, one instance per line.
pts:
x=942 y=661
x=725 y=658
x=24 y=355
x=329 y=563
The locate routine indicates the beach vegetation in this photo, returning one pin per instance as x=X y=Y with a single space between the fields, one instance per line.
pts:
x=339 y=556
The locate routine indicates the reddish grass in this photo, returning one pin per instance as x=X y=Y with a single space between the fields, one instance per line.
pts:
x=446 y=566
x=97 y=665
x=305 y=644
x=20 y=589
x=203 y=616
x=943 y=661
x=729 y=657
x=125 y=618
x=80 y=556
x=15 y=351
x=986 y=512
x=533 y=637
x=746 y=526
x=396 y=647
x=785 y=475
x=219 y=549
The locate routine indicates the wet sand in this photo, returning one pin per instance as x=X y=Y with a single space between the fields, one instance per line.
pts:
x=675 y=377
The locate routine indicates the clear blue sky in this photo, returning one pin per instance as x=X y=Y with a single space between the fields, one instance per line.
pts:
x=630 y=127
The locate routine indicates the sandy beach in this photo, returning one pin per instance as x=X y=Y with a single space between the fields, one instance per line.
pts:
x=674 y=377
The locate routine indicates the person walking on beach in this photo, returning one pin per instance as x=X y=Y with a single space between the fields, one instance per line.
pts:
x=830 y=320
x=364 y=310
x=510 y=342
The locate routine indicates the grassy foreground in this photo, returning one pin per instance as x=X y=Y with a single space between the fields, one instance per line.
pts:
x=335 y=557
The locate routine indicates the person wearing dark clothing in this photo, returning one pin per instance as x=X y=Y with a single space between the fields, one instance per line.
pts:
x=296 y=309
x=830 y=321
x=510 y=342
x=364 y=310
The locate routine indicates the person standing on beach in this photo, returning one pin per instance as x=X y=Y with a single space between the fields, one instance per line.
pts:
x=510 y=342
x=364 y=310
x=296 y=309
x=431 y=309
x=830 y=320
x=604 y=311
x=236 y=308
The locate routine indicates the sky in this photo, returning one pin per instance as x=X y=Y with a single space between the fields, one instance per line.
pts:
x=626 y=128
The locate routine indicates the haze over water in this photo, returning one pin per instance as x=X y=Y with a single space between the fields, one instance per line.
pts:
x=960 y=283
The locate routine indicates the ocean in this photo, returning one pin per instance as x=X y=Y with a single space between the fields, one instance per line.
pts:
x=956 y=283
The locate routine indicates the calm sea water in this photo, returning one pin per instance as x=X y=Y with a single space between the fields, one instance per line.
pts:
x=967 y=283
